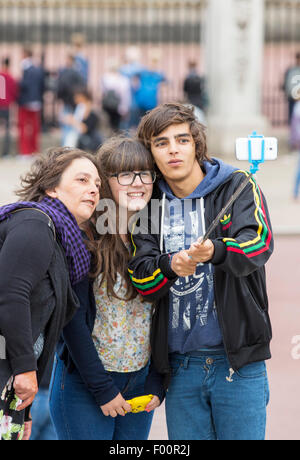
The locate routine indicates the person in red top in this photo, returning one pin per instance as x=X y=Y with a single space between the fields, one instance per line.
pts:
x=30 y=100
x=8 y=97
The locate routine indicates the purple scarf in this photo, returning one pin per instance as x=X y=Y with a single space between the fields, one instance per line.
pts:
x=78 y=257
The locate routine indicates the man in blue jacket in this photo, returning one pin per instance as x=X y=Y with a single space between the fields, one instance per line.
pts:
x=211 y=330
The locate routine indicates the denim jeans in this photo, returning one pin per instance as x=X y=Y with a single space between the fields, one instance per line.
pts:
x=5 y=116
x=76 y=415
x=297 y=179
x=42 y=426
x=206 y=401
x=69 y=135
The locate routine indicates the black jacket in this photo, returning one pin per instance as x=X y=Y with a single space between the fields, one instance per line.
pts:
x=243 y=243
x=35 y=291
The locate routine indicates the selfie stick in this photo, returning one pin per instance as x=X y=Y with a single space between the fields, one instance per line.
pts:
x=253 y=169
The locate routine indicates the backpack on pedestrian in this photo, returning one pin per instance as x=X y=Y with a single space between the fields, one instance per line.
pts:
x=111 y=101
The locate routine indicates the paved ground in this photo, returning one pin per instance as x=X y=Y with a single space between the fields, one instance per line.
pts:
x=283 y=272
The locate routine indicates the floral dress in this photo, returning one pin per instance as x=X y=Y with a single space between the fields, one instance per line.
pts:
x=122 y=329
x=11 y=421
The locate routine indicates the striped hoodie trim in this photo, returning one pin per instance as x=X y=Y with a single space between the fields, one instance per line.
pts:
x=149 y=285
x=261 y=242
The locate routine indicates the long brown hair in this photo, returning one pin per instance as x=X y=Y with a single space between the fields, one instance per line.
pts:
x=118 y=154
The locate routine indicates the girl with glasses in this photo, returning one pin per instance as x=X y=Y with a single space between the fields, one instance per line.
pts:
x=108 y=347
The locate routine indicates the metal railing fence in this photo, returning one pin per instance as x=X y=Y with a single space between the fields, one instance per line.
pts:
x=171 y=30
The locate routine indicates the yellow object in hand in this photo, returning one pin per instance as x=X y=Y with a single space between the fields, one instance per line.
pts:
x=139 y=403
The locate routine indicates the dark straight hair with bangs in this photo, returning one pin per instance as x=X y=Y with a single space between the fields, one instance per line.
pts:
x=121 y=153
x=118 y=154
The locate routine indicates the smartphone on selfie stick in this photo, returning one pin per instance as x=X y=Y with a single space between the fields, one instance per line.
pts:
x=256 y=149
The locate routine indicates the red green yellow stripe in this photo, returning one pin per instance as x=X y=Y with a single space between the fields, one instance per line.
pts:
x=157 y=288
x=150 y=284
x=261 y=243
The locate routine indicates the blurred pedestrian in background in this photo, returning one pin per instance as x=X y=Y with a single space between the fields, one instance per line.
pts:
x=291 y=84
x=81 y=61
x=295 y=143
x=150 y=79
x=194 y=87
x=31 y=89
x=10 y=96
x=69 y=79
x=116 y=94
x=85 y=122
x=130 y=69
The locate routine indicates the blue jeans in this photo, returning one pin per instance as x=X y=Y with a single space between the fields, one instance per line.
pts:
x=69 y=135
x=76 y=415
x=297 y=178
x=205 y=402
x=5 y=116
x=42 y=426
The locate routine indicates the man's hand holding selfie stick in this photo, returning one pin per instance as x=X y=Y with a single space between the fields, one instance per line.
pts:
x=201 y=251
x=184 y=263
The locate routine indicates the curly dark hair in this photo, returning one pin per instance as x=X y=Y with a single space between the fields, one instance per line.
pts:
x=47 y=170
x=45 y=174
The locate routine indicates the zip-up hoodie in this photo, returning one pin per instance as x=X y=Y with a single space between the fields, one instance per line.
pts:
x=243 y=243
x=193 y=322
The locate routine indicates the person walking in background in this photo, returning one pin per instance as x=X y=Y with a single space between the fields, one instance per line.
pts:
x=150 y=80
x=80 y=59
x=85 y=122
x=130 y=69
x=104 y=356
x=116 y=95
x=42 y=257
x=31 y=89
x=194 y=87
x=10 y=96
x=69 y=79
x=211 y=329
x=291 y=85
x=295 y=143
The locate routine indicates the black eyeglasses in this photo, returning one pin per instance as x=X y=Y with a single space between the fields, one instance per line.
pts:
x=128 y=177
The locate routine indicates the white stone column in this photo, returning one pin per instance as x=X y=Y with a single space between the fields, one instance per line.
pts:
x=234 y=56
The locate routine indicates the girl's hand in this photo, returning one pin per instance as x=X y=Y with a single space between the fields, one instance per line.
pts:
x=117 y=406
x=153 y=404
